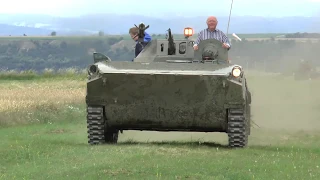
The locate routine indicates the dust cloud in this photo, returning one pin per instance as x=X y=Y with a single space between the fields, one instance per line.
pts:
x=280 y=105
x=285 y=104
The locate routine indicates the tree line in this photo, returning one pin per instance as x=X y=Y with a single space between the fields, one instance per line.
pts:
x=274 y=55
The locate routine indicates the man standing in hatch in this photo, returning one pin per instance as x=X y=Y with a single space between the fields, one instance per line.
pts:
x=139 y=45
x=212 y=33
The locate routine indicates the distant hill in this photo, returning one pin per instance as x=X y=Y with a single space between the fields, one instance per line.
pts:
x=119 y=24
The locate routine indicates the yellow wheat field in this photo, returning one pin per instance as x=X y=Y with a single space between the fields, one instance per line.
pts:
x=18 y=96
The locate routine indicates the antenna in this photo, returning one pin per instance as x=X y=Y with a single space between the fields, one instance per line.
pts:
x=229 y=17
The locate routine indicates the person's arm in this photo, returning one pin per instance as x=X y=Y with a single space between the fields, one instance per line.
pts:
x=225 y=39
x=147 y=37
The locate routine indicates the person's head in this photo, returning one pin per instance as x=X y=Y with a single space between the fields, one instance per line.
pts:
x=212 y=22
x=134 y=33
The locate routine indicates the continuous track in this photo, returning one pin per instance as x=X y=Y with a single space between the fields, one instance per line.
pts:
x=237 y=128
x=98 y=131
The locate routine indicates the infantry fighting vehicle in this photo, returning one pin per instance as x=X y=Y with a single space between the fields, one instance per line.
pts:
x=168 y=87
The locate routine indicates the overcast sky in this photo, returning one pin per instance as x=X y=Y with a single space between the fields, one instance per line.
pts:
x=151 y=7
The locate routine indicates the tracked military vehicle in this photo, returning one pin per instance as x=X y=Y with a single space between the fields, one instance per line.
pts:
x=168 y=87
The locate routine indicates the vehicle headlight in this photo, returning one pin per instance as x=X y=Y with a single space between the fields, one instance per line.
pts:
x=93 y=69
x=236 y=71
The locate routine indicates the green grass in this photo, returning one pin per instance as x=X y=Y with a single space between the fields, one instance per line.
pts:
x=69 y=73
x=60 y=151
x=52 y=144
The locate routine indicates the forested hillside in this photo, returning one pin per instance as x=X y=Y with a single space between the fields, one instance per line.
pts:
x=39 y=54
x=25 y=54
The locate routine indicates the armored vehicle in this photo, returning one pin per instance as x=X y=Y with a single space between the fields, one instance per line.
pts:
x=169 y=86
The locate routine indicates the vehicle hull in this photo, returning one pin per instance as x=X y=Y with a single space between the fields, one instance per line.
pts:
x=165 y=101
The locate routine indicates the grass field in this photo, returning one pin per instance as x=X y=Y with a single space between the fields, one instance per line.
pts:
x=43 y=136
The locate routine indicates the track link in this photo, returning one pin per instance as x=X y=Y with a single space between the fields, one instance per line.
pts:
x=237 y=128
x=98 y=132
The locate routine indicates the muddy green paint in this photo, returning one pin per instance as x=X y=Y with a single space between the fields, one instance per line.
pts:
x=165 y=92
